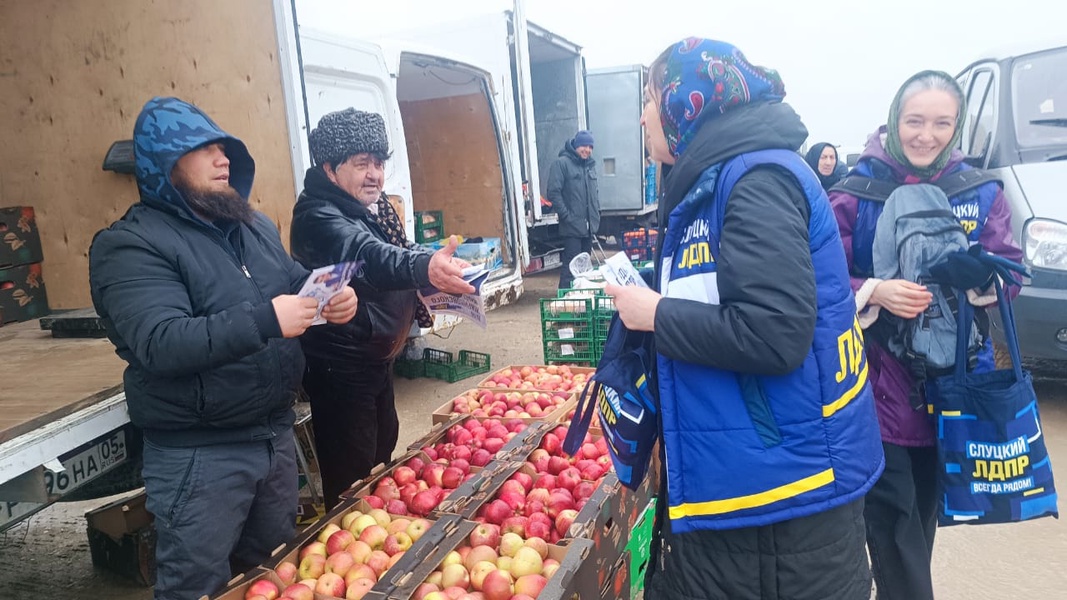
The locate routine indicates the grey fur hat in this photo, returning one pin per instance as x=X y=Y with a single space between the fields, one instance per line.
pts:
x=346 y=133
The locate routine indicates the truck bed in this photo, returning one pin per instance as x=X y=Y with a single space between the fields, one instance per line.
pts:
x=43 y=379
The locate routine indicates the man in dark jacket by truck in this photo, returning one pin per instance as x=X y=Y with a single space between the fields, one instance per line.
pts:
x=197 y=293
x=343 y=215
x=573 y=192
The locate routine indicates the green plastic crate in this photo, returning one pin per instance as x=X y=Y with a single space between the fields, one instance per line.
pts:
x=409 y=369
x=440 y=364
x=570 y=352
x=429 y=226
x=566 y=309
x=556 y=330
x=638 y=546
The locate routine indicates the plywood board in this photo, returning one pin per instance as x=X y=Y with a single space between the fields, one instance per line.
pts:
x=455 y=164
x=73 y=77
x=43 y=378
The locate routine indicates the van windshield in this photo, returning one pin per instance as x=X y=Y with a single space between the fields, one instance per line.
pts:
x=1039 y=98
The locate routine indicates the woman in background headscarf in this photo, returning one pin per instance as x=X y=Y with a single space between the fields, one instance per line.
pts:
x=917 y=145
x=822 y=158
x=770 y=439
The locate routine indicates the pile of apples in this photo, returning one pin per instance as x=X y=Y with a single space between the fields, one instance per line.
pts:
x=344 y=561
x=494 y=566
x=416 y=487
x=488 y=403
x=543 y=498
x=549 y=378
x=419 y=485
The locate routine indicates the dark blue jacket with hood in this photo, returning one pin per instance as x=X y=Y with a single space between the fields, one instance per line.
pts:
x=187 y=302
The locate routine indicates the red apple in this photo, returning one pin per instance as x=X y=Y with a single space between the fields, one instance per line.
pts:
x=564 y=520
x=379 y=561
x=404 y=475
x=338 y=541
x=298 y=591
x=374 y=501
x=498 y=585
x=496 y=511
x=451 y=478
x=286 y=572
x=423 y=502
x=481 y=457
x=515 y=524
x=399 y=542
x=374 y=536
x=530 y=585
x=485 y=535
x=359 y=588
x=340 y=563
x=263 y=587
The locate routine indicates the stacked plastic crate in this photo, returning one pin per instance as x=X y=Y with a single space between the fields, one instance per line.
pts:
x=639 y=244
x=567 y=330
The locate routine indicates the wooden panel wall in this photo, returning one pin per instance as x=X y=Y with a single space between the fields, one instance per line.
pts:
x=73 y=77
x=455 y=164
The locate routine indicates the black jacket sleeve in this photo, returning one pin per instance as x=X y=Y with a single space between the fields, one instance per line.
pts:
x=385 y=267
x=147 y=302
x=765 y=321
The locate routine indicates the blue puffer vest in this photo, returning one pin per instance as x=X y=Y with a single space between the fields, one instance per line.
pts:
x=747 y=450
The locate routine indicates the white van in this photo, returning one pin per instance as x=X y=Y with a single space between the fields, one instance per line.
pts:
x=1016 y=127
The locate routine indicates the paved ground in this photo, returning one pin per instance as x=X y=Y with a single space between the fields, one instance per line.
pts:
x=48 y=557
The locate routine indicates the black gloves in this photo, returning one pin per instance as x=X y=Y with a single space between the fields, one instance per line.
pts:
x=964 y=270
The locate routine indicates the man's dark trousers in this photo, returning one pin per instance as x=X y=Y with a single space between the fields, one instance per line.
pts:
x=215 y=506
x=572 y=247
x=353 y=413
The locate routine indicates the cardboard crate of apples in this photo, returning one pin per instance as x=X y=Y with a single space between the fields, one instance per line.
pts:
x=450 y=467
x=529 y=405
x=485 y=434
x=489 y=565
x=543 y=497
x=354 y=550
x=547 y=378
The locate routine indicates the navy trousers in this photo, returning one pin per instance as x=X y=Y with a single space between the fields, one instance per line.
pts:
x=901 y=516
x=219 y=510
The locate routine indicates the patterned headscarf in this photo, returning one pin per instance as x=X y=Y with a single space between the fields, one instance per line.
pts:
x=706 y=78
x=893 y=146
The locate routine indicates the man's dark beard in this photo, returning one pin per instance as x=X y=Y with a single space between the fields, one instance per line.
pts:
x=227 y=205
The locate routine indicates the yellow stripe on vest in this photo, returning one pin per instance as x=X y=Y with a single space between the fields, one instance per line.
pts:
x=718 y=507
x=828 y=410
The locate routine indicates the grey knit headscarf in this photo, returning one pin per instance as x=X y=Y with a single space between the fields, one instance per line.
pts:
x=346 y=133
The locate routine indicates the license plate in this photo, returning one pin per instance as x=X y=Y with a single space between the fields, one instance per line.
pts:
x=78 y=469
x=553 y=260
x=87 y=465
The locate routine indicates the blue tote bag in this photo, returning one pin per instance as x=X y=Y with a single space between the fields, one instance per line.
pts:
x=993 y=463
x=624 y=395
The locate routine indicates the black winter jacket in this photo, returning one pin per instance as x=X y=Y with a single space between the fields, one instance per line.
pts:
x=573 y=192
x=188 y=304
x=330 y=226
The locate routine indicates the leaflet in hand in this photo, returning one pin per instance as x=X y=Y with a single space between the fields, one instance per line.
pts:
x=468 y=306
x=326 y=282
x=618 y=270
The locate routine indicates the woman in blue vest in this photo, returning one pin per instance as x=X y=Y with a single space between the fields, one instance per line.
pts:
x=768 y=424
x=917 y=145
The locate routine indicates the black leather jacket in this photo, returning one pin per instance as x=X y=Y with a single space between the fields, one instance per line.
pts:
x=330 y=226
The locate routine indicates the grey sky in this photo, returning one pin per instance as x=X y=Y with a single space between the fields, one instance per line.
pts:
x=841 y=62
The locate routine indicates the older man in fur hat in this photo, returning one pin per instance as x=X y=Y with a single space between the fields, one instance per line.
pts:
x=343 y=215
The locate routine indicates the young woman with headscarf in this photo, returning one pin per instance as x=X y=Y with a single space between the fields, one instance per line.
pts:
x=822 y=158
x=769 y=433
x=917 y=145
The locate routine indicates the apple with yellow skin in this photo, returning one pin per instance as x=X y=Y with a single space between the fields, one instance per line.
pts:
x=358 y=588
x=360 y=523
x=349 y=518
x=312 y=567
x=327 y=531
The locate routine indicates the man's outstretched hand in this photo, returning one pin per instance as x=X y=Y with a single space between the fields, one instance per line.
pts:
x=446 y=271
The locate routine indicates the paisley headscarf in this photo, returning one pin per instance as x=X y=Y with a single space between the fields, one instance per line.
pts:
x=705 y=78
x=893 y=146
